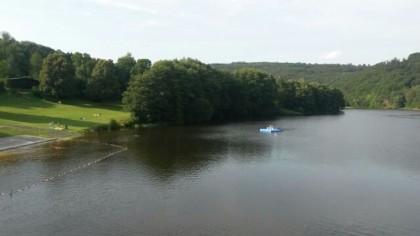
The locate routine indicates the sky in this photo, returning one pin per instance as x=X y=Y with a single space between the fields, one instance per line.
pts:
x=221 y=31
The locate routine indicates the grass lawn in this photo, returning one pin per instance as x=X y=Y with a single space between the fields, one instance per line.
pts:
x=25 y=114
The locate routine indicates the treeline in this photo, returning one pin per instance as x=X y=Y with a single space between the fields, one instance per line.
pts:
x=188 y=92
x=20 y=58
x=78 y=75
x=183 y=91
x=68 y=75
x=322 y=73
x=310 y=98
x=391 y=84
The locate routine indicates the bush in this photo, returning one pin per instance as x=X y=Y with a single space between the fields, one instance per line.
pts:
x=36 y=92
x=130 y=123
x=114 y=125
x=99 y=128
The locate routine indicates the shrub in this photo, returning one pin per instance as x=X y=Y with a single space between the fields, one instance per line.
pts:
x=130 y=123
x=36 y=92
x=114 y=125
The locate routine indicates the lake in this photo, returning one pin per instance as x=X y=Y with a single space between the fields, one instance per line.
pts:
x=357 y=173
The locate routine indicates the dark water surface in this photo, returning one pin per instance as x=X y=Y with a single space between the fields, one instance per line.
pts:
x=351 y=174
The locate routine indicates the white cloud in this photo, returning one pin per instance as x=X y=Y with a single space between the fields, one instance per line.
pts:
x=331 y=55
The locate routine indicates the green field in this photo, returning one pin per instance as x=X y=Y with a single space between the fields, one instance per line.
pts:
x=24 y=114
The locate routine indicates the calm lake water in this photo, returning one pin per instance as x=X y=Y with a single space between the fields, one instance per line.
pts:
x=351 y=174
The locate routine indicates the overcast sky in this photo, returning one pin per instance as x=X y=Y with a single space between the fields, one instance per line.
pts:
x=311 y=31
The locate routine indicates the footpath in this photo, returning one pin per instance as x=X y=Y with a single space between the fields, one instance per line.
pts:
x=21 y=141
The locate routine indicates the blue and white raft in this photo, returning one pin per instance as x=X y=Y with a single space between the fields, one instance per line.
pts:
x=270 y=129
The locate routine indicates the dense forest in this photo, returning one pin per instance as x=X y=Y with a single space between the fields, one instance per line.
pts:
x=390 y=85
x=67 y=75
x=322 y=73
x=187 y=92
x=184 y=91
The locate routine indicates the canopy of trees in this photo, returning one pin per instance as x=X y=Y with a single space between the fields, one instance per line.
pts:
x=183 y=91
x=322 y=73
x=20 y=58
x=310 y=98
x=174 y=92
x=187 y=92
x=102 y=85
x=57 y=76
x=391 y=84
x=123 y=69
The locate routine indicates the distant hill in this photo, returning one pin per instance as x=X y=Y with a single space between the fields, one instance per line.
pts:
x=391 y=84
x=294 y=71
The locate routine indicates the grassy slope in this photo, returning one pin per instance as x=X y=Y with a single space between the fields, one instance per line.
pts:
x=24 y=114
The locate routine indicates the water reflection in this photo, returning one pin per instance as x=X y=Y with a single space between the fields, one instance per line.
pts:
x=353 y=174
x=177 y=152
x=32 y=165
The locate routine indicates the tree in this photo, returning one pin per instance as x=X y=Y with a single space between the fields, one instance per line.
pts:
x=6 y=36
x=36 y=64
x=147 y=96
x=4 y=69
x=232 y=98
x=140 y=67
x=17 y=59
x=260 y=90
x=57 y=76
x=123 y=67
x=83 y=64
x=102 y=85
x=310 y=97
x=176 y=92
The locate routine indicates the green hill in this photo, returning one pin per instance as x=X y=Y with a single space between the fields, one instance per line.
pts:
x=391 y=84
x=323 y=73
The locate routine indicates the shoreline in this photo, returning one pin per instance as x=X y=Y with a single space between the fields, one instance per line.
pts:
x=19 y=141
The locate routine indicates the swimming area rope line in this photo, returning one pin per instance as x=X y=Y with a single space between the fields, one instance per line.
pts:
x=69 y=171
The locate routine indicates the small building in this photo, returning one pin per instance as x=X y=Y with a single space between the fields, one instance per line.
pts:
x=23 y=82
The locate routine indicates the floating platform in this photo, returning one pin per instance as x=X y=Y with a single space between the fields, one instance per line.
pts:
x=271 y=130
